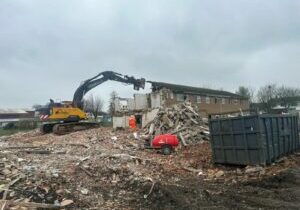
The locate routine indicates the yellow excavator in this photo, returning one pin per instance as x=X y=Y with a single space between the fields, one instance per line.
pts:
x=66 y=117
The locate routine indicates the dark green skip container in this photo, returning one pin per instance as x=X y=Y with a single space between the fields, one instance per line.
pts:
x=254 y=139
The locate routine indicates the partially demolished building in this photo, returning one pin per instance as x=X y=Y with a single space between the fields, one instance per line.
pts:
x=164 y=95
x=208 y=101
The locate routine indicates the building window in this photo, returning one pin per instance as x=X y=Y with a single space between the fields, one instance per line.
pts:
x=207 y=100
x=171 y=95
x=180 y=97
x=199 y=99
x=223 y=100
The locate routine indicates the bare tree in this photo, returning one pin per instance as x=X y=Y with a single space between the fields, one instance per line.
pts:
x=93 y=105
x=266 y=96
x=286 y=96
x=246 y=92
x=112 y=108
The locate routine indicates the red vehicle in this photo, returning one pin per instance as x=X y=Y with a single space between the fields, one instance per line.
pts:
x=166 y=142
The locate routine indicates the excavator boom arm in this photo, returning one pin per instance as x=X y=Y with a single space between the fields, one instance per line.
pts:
x=89 y=84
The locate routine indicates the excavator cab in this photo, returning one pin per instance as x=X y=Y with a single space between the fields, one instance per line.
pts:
x=63 y=112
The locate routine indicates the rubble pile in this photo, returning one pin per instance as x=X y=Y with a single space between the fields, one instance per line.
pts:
x=181 y=119
x=22 y=187
x=106 y=169
x=51 y=172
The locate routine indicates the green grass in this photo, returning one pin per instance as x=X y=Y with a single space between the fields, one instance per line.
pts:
x=4 y=132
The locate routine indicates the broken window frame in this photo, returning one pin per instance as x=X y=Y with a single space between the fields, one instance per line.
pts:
x=223 y=101
x=171 y=95
x=207 y=100
x=179 y=97
x=198 y=99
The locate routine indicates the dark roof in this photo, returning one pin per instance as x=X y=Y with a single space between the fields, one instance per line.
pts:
x=192 y=90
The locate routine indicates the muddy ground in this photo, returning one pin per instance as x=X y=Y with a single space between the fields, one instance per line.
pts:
x=106 y=169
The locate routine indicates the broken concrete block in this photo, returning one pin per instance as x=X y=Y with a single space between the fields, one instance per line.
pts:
x=219 y=174
x=253 y=169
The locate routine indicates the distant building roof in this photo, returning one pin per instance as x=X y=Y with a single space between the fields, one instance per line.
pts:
x=8 y=120
x=15 y=111
x=192 y=90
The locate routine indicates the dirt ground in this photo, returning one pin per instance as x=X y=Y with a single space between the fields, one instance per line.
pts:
x=106 y=169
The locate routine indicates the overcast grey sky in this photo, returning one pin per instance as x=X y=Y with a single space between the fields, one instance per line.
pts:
x=47 y=47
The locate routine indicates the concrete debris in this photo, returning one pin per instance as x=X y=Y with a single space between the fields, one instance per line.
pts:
x=200 y=173
x=97 y=172
x=253 y=169
x=114 y=138
x=66 y=203
x=180 y=119
x=219 y=174
x=193 y=170
x=136 y=136
x=84 y=191
x=214 y=174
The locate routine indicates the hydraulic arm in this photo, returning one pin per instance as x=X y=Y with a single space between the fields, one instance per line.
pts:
x=89 y=84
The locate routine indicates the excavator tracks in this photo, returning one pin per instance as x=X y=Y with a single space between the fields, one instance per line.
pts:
x=65 y=128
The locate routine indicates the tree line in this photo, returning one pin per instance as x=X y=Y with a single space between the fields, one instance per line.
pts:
x=271 y=95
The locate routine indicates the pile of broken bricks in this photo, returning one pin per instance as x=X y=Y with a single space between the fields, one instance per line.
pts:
x=20 y=189
x=102 y=169
x=182 y=120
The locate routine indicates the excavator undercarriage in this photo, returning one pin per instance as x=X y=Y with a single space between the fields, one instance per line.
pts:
x=65 y=128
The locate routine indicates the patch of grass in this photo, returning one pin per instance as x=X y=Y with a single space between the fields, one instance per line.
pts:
x=7 y=132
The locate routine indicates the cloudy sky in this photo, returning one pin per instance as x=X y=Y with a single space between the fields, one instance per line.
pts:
x=48 y=47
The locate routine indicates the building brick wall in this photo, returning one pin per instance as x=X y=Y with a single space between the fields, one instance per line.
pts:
x=205 y=103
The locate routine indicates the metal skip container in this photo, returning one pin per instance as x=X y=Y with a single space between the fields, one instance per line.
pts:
x=254 y=139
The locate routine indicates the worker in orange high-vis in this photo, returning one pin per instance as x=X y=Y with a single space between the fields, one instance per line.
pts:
x=132 y=122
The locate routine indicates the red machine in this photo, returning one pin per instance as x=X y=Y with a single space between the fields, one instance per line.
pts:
x=167 y=143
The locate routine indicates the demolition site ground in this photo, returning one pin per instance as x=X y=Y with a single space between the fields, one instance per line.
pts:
x=106 y=169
